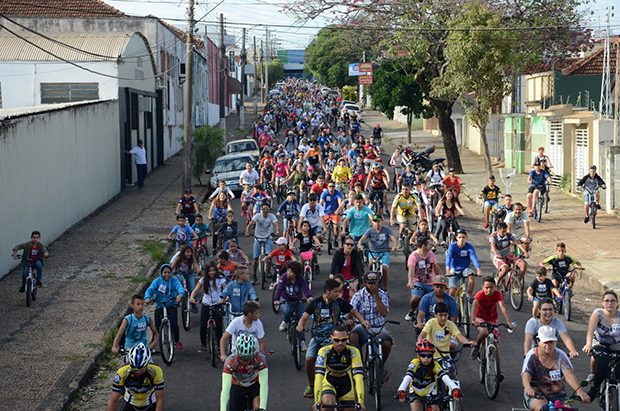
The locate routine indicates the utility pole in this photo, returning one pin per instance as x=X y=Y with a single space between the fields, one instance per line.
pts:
x=255 y=80
x=262 y=74
x=222 y=78
x=189 y=88
x=266 y=64
x=243 y=61
x=616 y=95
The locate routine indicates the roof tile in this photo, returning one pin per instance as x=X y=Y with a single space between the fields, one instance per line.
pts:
x=593 y=64
x=59 y=8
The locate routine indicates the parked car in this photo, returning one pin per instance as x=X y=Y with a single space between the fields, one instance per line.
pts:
x=274 y=92
x=345 y=102
x=333 y=93
x=228 y=168
x=353 y=109
x=243 y=146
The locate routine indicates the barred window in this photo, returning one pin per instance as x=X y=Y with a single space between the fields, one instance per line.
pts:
x=68 y=92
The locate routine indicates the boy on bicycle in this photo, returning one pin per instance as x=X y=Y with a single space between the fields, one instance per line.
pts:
x=239 y=291
x=134 y=326
x=228 y=229
x=458 y=258
x=283 y=255
x=541 y=288
x=202 y=231
x=34 y=254
x=422 y=268
x=182 y=232
x=491 y=193
x=485 y=306
x=501 y=247
x=289 y=210
x=561 y=263
x=379 y=245
x=440 y=330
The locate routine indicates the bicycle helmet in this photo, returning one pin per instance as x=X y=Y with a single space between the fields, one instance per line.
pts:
x=246 y=345
x=376 y=165
x=425 y=346
x=291 y=192
x=139 y=356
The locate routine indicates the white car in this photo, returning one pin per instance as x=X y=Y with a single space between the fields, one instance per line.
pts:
x=243 y=146
x=353 y=109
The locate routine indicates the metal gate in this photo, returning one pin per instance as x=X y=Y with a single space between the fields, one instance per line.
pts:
x=581 y=153
x=555 y=150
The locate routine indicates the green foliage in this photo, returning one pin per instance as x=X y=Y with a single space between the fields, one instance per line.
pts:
x=276 y=71
x=206 y=148
x=566 y=183
x=349 y=93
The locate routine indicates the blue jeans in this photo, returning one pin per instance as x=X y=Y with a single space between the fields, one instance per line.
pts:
x=38 y=265
x=287 y=312
x=189 y=279
x=141 y=168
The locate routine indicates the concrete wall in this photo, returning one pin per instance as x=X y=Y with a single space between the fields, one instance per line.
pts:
x=56 y=167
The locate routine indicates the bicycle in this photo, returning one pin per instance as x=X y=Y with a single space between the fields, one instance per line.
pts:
x=212 y=342
x=462 y=301
x=341 y=405
x=31 y=285
x=201 y=254
x=609 y=397
x=269 y=190
x=428 y=401
x=493 y=219
x=450 y=232
x=488 y=358
x=186 y=305
x=280 y=189
x=377 y=260
x=376 y=206
x=449 y=365
x=406 y=240
x=248 y=213
x=374 y=362
x=308 y=257
x=539 y=207
x=294 y=338
x=592 y=206
x=566 y=406
x=166 y=339
x=263 y=271
x=565 y=303
x=290 y=232
x=278 y=272
x=229 y=315
x=513 y=284
x=330 y=234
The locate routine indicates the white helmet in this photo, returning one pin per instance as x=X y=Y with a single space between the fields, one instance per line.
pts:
x=139 y=356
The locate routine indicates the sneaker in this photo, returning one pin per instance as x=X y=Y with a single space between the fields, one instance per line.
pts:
x=443 y=244
x=179 y=346
x=309 y=391
x=590 y=377
x=410 y=316
x=335 y=243
x=22 y=289
x=474 y=353
x=586 y=220
x=283 y=326
x=254 y=279
x=39 y=284
x=202 y=348
x=272 y=286
x=598 y=206
x=194 y=307
x=303 y=346
x=501 y=377
x=207 y=253
x=486 y=225
x=400 y=243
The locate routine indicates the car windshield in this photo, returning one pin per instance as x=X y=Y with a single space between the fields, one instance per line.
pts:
x=352 y=107
x=242 y=146
x=230 y=164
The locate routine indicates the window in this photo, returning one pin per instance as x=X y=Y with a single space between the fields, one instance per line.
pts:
x=68 y=92
x=0 y=95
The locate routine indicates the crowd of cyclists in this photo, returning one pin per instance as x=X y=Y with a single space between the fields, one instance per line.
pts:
x=326 y=182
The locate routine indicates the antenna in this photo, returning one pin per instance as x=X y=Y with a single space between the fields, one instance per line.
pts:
x=605 y=102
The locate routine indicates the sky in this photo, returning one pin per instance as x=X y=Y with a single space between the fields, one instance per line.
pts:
x=291 y=34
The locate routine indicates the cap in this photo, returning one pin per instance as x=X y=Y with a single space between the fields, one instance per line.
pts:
x=187 y=191
x=418 y=173
x=281 y=241
x=546 y=333
x=416 y=182
x=372 y=277
x=291 y=192
x=541 y=148
x=492 y=177
x=451 y=170
x=354 y=145
x=310 y=168
x=376 y=164
x=376 y=217
x=290 y=133
x=378 y=125
x=280 y=146
x=440 y=279
x=592 y=167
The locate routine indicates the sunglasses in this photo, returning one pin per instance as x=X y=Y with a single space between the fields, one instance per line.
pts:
x=425 y=355
x=336 y=340
x=349 y=244
x=610 y=301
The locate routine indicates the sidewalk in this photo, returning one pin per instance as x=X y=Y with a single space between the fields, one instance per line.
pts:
x=598 y=250
x=48 y=350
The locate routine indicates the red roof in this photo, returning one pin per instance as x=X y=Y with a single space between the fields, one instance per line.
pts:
x=58 y=8
x=593 y=64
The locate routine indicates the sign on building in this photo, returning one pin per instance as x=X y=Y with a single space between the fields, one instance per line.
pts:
x=365 y=79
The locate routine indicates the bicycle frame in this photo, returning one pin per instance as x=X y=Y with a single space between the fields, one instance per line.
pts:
x=609 y=388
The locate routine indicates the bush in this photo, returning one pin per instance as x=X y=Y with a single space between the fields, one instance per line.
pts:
x=206 y=148
x=349 y=93
x=566 y=183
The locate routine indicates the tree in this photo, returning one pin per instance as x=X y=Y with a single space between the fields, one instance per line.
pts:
x=475 y=67
x=349 y=93
x=206 y=146
x=276 y=71
x=395 y=86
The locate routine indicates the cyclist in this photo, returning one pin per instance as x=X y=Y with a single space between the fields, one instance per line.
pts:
x=141 y=381
x=453 y=182
x=427 y=308
x=228 y=229
x=379 y=246
x=133 y=327
x=377 y=133
x=163 y=289
x=422 y=267
x=245 y=376
x=407 y=176
x=592 y=181
x=342 y=174
x=458 y=258
x=541 y=288
x=326 y=312
x=542 y=156
x=289 y=210
x=246 y=199
x=329 y=164
x=491 y=193
x=348 y=262
x=220 y=207
x=315 y=214
x=212 y=285
x=249 y=176
x=435 y=177
x=290 y=293
x=373 y=304
x=332 y=201
x=34 y=254
x=423 y=231
x=259 y=197
x=283 y=256
x=536 y=179
x=249 y=323
x=221 y=186
x=561 y=263
x=501 y=242
x=188 y=206
x=202 y=231
x=445 y=212
x=308 y=179
x=422 y=376
x=264 y=222
x=506 y=208
x=339 y=373
x=519 y=224
x=396 y=162
x=545 y=318
x=319 y=186
x=441 y=331
x=182 y=232
x=239 y=291
x=405 y=206
x=267 y=174
x=358 y=170
x=379 y=182
x=484 y=307
x=185 y=264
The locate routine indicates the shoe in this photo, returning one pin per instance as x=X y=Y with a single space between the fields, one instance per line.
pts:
x=486 y=225
x=474 y=353
x=39 y=284
x=309 y=391
x=400 y=243
x=194 y=307
x=530 y=214
x=207 y=253
x=254 y=279
x=501 y=377
x=283 y=326
x=443 y=244
x=22 y=289
x=590 y=377
x=410 y=316
x=179 y=346
x=586 y=219
x=303 y=346
x=598 y=206
x=202 y=348
x=272 y=286
x=471 y=300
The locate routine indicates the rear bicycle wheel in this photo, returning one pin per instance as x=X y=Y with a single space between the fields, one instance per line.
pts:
x=166 y=345
x=491 y=377
x=213 y=344
x=516 y=291
x=567 y=305
x=611 y=397
x=185 y=311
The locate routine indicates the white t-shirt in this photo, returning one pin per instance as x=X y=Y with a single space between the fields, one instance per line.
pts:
x=313 y=216
x=140 y=154
x=214 y=293
x=249 y=178
x=236 y=327
x=518 y=225
x=436 y=177
x=264 y=226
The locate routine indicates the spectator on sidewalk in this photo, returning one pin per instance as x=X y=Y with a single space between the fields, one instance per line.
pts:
x=140 y=152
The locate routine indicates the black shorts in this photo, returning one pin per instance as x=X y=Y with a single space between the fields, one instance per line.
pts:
x=542 y=189
x=374 y=192
x=129 y=407
x=239 y=396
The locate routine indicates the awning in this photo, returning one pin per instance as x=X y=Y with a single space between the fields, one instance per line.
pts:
x=234 y=86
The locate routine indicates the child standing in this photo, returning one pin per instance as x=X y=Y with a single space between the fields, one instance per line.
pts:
x=163 y=289
x=540 y=288
x=134 y=327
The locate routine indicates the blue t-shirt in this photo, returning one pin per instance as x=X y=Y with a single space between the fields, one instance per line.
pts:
x=359 y=220
x=538 y=180
x=290 y=210
x=459 y=258
x=183 y=235
x=353 y=154
x=408 y=178
x=200 y=230
x=136 y=330
x=331 y=201
x=427 y=304
x=322 y=140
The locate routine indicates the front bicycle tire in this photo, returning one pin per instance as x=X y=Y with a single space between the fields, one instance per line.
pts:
x=593 y=215
x=516 y=291
x=567 y=305
x=491 y=377
x=330 y=239
x=309 y=277
x=482 y=365
x=611 y=397
x=213 y=345
x=371 y=374
x=34 y=291
x=456 y=405
x=274 y=307
x=296 y=348
x=28 y=291
x=538 y=209
x=546 y=202
x=185 y=311
x=466 y=315
x=263 y=274
x=166 y=345
x=378 y=381
x=492 y=223
x=201 y=260
x=407 y=244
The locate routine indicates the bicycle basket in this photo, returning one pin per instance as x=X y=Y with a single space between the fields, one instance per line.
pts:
x=306 y=255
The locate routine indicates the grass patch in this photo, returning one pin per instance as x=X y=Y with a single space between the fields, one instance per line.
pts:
x=107 y=276
x=137 y=280
x=153 y=247
x=75 y=357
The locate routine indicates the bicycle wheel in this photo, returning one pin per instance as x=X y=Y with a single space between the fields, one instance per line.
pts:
x=28 y=291
x=538 y=209
x=491 y=377
x=263 y=274
x=166 y=345
x=567 y=305
x=611 y=398
x=213 y=344
x=370 y=369
x=492 y=223
x=330 y=238
x=185 y=312
x=516 y=291
x=466 y=316
x=276 y=309
x=308 y=275
x=558 y=305
x=406 y=243
x=378 y=381
x=34 y=291
x=593 y=215
x=295 y=347
x=201 y=260
x=375 y=207
x=546 y=201
x=482 y=365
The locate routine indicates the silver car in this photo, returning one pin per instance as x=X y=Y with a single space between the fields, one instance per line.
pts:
x=229 y=168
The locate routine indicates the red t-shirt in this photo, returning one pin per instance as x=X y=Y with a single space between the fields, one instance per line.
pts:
x=228 y=271
x=453 y=183
x=487 y=306
x=347 y=270
x=34 y=253
x=281 y=257
x=317 y=189
x=263 y=139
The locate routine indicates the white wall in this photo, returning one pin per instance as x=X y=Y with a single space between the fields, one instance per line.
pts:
x=56 y=167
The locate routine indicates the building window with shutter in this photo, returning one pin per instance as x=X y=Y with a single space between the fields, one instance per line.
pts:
x=68 y=92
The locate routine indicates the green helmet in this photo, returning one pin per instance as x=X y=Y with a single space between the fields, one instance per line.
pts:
x=246 y=345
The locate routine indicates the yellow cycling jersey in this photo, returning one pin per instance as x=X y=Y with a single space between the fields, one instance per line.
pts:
x=406 y=206
x=341 y=174
x=424 y=379
x=139 y=390
x=330 y=363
